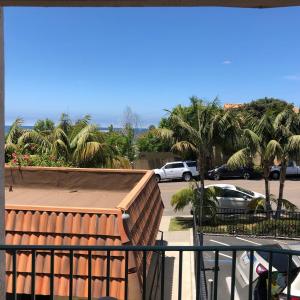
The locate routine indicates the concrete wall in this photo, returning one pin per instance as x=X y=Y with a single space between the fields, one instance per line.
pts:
x=72 y=178
x=153 y=160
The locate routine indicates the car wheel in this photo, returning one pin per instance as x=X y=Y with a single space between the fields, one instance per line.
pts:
x=246 y=176
x=217 y=176
x=157 y=178
x=187 y=176
x=275 y=175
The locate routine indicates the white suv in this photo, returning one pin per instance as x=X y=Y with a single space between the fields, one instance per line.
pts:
x=177 y=170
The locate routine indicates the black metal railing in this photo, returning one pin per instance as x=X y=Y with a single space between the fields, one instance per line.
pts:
x=234 y=251
x=257 y=223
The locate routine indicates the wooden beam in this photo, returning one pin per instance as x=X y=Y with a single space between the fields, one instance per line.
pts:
x=152 y=3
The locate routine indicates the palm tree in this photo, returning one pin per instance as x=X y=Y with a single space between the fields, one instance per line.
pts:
x=89 y=148
x=285 y=146
x=211 y=125
x=256 y=140
x=258 y=204
x=189 y=196
x=79 y=144
x=53 y=142
x=65 y=123
x=12 y=139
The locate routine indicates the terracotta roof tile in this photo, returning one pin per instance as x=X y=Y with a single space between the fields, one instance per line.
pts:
x=42 y=226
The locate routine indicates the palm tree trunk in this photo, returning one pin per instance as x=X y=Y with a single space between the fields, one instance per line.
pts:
x=267 y=189
x=201 y=162
x=281 y=187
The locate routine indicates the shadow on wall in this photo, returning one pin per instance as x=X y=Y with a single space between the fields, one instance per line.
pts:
x=168 y=280
x=154 y=275
x=169 y=270
x=153 y=160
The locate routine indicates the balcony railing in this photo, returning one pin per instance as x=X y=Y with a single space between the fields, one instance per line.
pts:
x=234 y=251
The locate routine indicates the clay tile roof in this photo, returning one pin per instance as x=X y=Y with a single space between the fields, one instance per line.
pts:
x=232 y=105
x=30 y=225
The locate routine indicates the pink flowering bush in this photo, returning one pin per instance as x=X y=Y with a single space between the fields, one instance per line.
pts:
x=19 y=159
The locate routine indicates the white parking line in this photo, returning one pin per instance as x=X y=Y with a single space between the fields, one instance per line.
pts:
x=280 y=242
x=220 y=253
x=225 y=255
x=248 y=241
x=219 y=243
x=228 y=282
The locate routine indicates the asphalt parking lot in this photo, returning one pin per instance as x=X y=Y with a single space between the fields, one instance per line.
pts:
x=225 y=262
x=291 y=191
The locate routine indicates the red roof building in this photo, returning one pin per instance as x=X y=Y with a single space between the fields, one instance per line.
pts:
x=65 y=206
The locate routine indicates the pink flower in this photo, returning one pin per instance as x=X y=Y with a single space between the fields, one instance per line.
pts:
x=14 y=155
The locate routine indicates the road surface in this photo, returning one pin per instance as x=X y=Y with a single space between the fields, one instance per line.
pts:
x=225 y=262
x=291 y=191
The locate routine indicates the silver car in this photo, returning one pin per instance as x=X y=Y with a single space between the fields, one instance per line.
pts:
x=231 y=196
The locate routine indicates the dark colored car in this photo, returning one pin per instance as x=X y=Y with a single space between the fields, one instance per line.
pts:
x=224 y=172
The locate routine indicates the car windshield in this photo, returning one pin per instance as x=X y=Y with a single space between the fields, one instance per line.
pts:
x=279 y=260
x=244 y=191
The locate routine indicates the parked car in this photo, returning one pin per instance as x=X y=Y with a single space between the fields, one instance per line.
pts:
x=291 y=170
x=225 y=172
x=279 y=264
x=231 y=196
x=185 y=170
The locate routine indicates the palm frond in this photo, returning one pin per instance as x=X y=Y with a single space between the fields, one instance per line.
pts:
x=239 y=159
x=251 y=139
x=184 y=146
x=293 y=146
x=15 y=131
x=273 y=150
x=182 y=198
x=257 y=204
x=192 y=132
x=164 y=133
x=288 y=205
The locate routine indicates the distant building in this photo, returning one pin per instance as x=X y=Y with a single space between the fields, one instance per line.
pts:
x=232 y=105
x=68 y=206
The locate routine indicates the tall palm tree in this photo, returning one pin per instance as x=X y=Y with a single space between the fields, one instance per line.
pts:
x=256 y=140
x=211 y=125
x=285 y=146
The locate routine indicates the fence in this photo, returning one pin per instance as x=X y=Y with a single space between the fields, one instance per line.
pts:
x=200 y=275
x=163 y=250
x=243 y=222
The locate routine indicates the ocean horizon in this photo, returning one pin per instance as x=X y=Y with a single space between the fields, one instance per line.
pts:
x=104 y=129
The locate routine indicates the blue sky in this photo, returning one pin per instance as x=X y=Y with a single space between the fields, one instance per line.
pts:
x=98 y=61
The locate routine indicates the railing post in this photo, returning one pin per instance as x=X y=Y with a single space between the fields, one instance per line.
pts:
x=211 y=288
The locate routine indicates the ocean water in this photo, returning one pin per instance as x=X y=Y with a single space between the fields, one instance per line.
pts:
x=8 y=126
x=104 y=129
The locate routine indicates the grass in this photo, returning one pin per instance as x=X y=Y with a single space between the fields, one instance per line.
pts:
x=180 y=224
